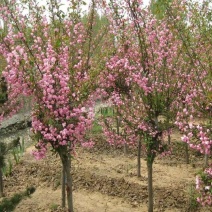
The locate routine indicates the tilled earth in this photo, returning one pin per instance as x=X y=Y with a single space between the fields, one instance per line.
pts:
x=104 y=180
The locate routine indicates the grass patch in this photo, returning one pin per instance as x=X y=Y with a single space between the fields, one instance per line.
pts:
x=54 y=207
x=192 y=199
x=9 y=204
x=106 y=111
x=96 y=128
x=103 y=112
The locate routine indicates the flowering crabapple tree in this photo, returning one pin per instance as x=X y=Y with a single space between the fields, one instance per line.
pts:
x=197 y=42
x=196 y=38
x=204 y=188
x=146 y=78
x=48 y=53
x=118 y=134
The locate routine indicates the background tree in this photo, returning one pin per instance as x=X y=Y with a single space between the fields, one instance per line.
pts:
x=48 y=61
x=147 y=78
x=195 y=34
x=158 y=7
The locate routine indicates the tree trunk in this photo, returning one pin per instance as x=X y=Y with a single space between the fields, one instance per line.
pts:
x=66 y=160
x=169 y=138
x=117 y=129
x=125 y=149
x=1 y=183
x=63 y=184
x=125 y=146
x=150 y=186
x=206 y=160
x=117 y=126
x=139 y=158
x=187 y=154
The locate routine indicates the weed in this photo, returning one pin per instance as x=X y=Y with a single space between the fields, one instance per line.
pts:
x=9 y=204
x=7 y=169
x=54 y=207
x=192 y=199
x=18 y=151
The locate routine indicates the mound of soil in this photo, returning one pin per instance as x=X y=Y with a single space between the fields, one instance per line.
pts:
x=103 y=181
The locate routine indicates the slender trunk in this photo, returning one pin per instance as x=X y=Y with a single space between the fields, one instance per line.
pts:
x=169 y=138
x=139 y=158
x=125 y=145
x=150 y=186
x=117 y=126
x=169 y=129
x=187 y=153
x=125 y=149
x=63 y=183
x=69 y=186
x=1 y=183
x=66 y=160
x=206 y=160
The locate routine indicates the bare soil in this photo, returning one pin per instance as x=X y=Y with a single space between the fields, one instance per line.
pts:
x=105 y=180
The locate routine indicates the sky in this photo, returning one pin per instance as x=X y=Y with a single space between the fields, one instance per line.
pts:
x=145 y=2
x=64 y=8
x=85 y=8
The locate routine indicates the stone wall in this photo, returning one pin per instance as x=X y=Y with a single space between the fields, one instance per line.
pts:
x=15 y=123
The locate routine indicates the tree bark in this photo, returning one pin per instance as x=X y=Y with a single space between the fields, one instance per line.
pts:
x=187 y=154
x=206 y=161
x=66 y=160
x=169 y=138
x=63 y=184
x=117 y=128
x=69 y=186
x=139 y=158
x=125 y=145
x=1 y=184
x=125 y=149
x=150 y=186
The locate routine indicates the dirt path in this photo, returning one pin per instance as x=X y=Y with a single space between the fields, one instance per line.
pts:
x=84 y=201
x=102 y=183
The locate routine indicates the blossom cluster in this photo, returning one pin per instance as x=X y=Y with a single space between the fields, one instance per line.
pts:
x=204 y=187
x=49 y=64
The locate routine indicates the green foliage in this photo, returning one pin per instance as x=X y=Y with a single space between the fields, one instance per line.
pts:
x=3 y=151
x=3 y=98
x=16 y=155
x=158 y=7
x=99 y=21
x=30 y=190
x=14 y=143
x=106 y=111
x=151 y=146
x=22 y=147
x=9 y=204
x=192 y=199
x=96 y=128
x=54 y=207
x=7 y=169
x=206 y=179
x=18 y=151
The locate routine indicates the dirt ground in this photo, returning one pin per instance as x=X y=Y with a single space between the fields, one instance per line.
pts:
x=104 y=180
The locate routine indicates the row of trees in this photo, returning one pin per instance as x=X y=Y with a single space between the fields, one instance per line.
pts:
x=163 y=79
x=154 y=69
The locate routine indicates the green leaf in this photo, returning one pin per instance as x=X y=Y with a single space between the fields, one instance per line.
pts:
x=58 y=43
x=84 y=3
